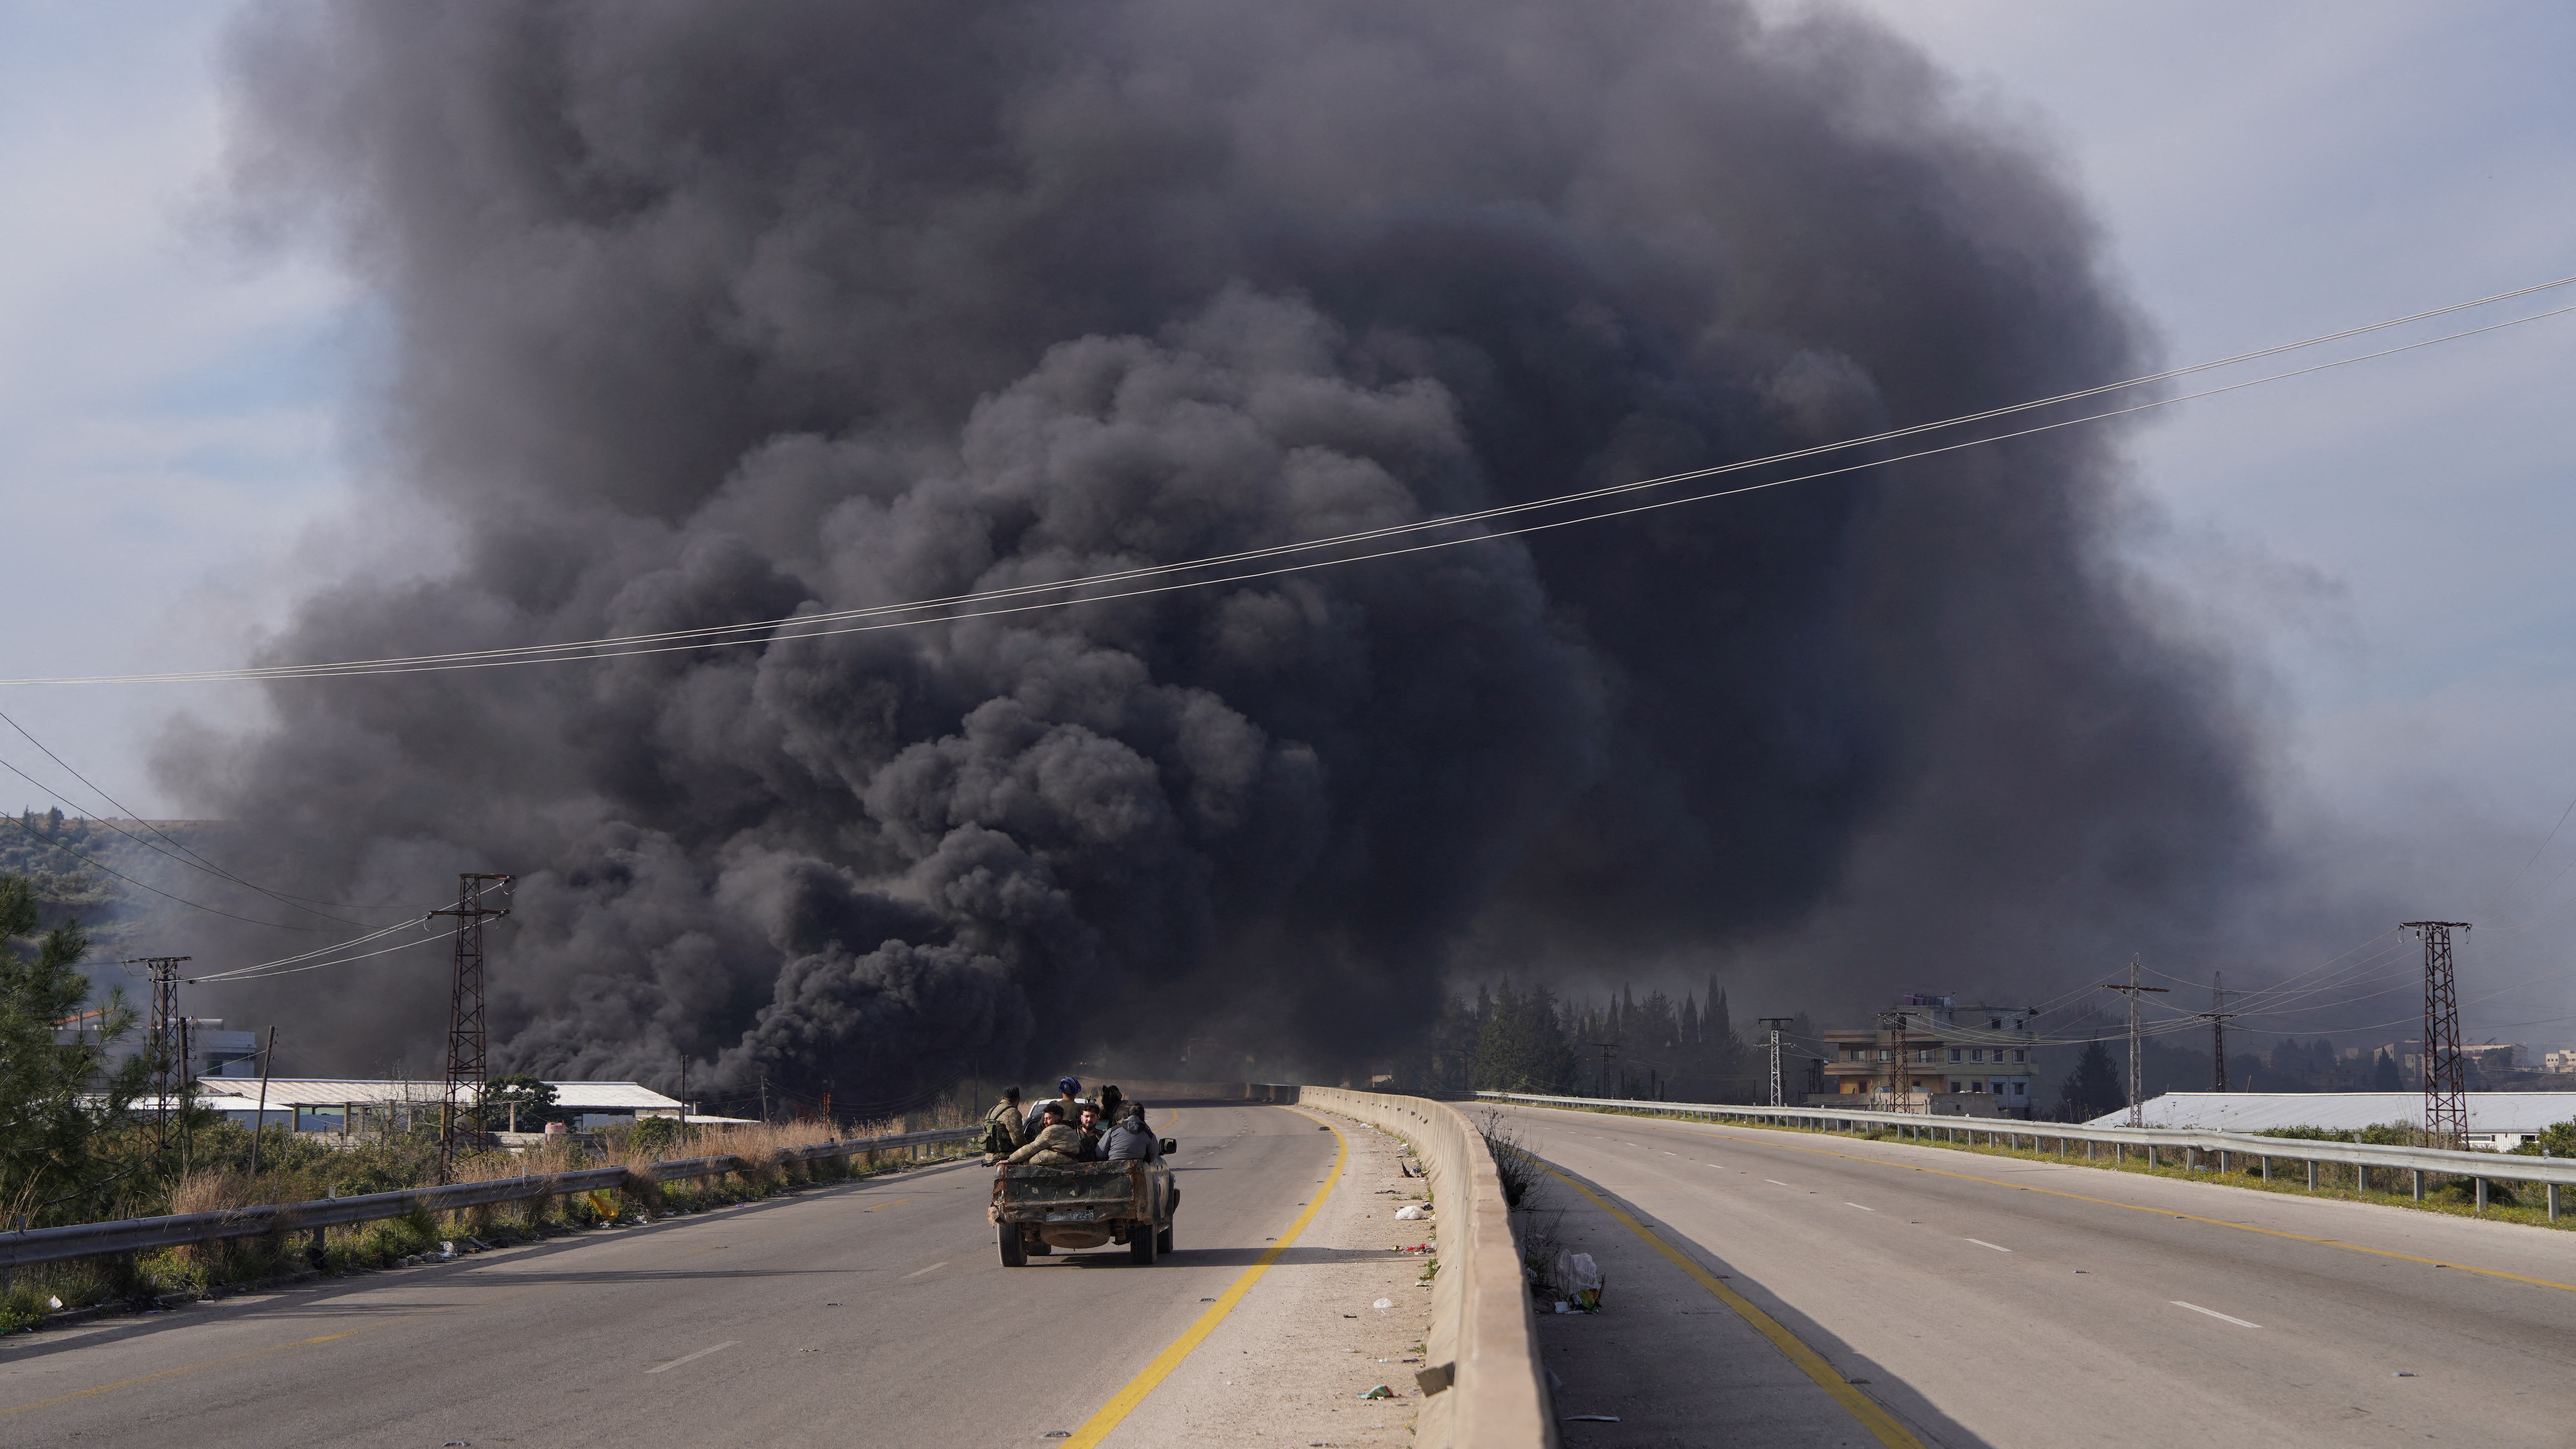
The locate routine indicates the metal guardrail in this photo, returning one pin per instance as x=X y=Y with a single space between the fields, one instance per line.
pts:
x=2481 y=1167
x=85 y=1240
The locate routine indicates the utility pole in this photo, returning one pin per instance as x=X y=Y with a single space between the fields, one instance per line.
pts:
x=1893 y=1022
x=2137 y=1093
x=163 y=1033
x=1775 y=1023
x=1608 y=1050
x=259 y=1119
x=2446 y=1101
x=684 y=1089
x=2217 y=1016
x=466 y=1037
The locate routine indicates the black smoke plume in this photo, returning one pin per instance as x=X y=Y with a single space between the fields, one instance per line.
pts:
x=700 y=314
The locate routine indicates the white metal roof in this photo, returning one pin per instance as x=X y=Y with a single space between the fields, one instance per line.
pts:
x=2339 y=1111
x=336 y=1091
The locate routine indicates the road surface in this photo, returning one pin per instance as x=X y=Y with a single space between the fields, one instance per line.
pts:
x=868 y=1313
x=1989 y=1301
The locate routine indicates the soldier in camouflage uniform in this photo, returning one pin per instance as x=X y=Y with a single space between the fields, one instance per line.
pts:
x=1003 y=1131
x=1070 y=1099
x=1057 y=1143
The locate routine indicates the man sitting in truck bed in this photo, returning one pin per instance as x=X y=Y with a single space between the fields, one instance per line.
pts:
x=1130 y=1140
x=1069 y=1097
x=1056 y=1143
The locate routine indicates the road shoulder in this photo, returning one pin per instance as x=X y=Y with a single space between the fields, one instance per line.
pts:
x=1290 y=1365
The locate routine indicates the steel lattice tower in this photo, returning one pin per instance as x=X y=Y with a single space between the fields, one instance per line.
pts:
x=466 y=1036
x=2446 y=1094
x=1775 y=1023
x=169 y=1066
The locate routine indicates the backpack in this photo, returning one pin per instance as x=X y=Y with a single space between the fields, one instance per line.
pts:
x=997 y=1138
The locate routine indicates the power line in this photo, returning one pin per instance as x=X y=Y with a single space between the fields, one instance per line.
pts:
x=156 y=890
x=190 y=856
x=2535 y=857
x=148 y=845
x=799 y=626
x=285 y=967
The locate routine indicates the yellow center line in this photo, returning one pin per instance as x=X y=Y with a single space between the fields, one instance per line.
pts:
x=2161 y=1212
x=898 y=1202
x=1876 y=1420
x=1119 y=1407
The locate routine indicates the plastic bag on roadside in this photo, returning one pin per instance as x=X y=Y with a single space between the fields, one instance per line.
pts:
x=1413 y=1212
x=1580 y=1278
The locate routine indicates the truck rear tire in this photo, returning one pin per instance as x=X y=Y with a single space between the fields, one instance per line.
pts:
x=1140 y=1248
x=1014 y=1255
x=1163 y=1241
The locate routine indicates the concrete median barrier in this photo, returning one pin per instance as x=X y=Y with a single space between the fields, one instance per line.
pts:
x=1481 y=1329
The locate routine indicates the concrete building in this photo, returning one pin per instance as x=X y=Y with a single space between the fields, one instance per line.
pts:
x=2498 y=1121
x=1960 y=1060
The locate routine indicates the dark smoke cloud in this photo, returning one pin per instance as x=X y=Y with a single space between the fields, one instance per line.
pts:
x=702 y=315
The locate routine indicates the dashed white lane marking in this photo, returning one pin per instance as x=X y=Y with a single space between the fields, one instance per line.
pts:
x=702 y=1353
x=1857 y=1205
x=1672 y=1154
x=2214 y=1313
x=1982 y=1243
x=1775 y=1182
x=933 y=1268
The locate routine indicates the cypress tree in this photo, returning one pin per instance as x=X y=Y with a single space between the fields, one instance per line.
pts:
x=2093 y=1088
x=52 y=1113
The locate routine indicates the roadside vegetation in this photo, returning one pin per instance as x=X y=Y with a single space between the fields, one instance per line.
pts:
x=293 y=1170
x=74 y=1150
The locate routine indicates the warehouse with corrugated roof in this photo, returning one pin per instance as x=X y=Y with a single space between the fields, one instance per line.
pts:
x=2498 y=1121
x=358 y=1106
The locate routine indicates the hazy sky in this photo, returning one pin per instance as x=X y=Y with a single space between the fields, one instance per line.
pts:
x=2390 y=539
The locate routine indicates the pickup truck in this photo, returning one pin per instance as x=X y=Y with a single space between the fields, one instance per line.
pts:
x=1084 y=1205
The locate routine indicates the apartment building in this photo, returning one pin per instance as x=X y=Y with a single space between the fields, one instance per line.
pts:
x=1958 y=1059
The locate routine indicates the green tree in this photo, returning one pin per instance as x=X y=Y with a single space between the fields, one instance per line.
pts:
x=2093 y=1088
x=1523 y=1046
x=2383 y=1073
x=57 y=1100
x=518 y=1098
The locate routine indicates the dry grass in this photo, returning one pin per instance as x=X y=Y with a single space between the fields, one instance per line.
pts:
x=313 y=1169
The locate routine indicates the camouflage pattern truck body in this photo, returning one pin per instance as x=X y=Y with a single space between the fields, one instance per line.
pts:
x=1083 y=1205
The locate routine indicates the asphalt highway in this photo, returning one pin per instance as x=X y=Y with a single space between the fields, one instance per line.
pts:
x=1977 y=1300
x=873 y=1313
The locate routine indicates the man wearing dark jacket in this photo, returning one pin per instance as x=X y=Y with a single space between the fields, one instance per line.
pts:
x=1131 y=1140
